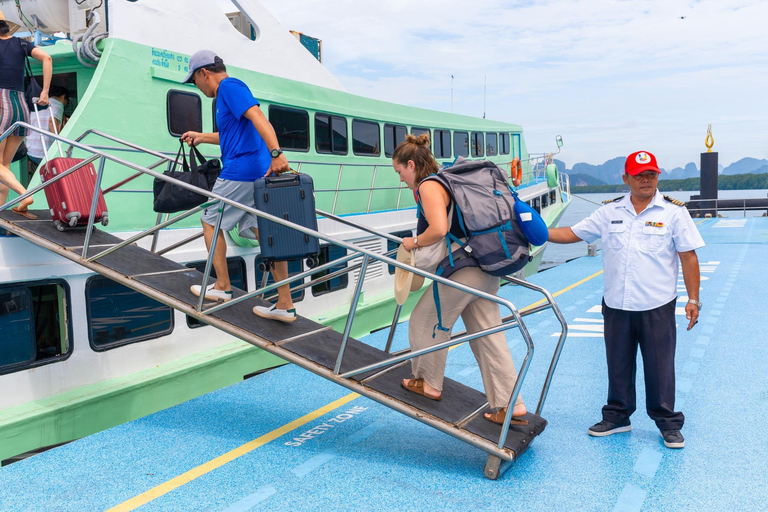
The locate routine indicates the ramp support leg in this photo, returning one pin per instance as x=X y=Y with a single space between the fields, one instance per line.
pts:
x=495 y=466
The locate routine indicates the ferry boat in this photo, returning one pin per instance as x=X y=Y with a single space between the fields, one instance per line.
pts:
x=80 y=352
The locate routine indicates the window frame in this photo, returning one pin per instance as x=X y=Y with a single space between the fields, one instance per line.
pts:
x=328 y=247
x=477 y=141
x=294 y=111
x=393 y=127
x=496 y=143
x=12 y=368
x=458 y=134
x=199 y=102
x=504 y=143
x=439 y=136
x=122 y=343
x=379 y=140
x=331 y=118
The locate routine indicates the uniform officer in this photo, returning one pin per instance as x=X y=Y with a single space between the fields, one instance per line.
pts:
x=643 y=235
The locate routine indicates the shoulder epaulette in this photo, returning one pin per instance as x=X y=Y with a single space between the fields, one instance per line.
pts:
x=674 y=201
x=613 y=200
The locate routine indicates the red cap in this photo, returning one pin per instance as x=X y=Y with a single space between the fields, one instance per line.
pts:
x=639 y=162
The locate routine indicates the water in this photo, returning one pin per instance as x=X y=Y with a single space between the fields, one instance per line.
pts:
x=583 y=205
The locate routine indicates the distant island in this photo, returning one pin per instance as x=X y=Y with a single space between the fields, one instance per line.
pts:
x=747 y=173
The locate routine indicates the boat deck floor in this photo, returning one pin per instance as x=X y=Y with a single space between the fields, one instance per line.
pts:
x=288 y=439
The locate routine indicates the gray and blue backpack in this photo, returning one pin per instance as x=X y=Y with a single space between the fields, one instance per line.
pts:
x=485 y=209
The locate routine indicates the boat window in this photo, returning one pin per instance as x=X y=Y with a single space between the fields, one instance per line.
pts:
x=291 y=127
x=392 y=245
x=237 y=277
x=552 y=196
x=394 y=134
x=443 y=144
x=330 y=134
x=329 y=253
x=35 y=324
x=503 y=143
x=491 y=148
x=461 y=143
x=477 y=144
x=184 y=112
x=294 y=267
x=118 y=315
x=544 y=201
x=536 y=204
x=366 y=139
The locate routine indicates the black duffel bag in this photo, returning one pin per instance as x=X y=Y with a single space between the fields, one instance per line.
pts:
x=170 y=198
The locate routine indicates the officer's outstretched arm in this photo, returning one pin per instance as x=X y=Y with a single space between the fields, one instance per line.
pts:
x=690 y=264
x=563 y=236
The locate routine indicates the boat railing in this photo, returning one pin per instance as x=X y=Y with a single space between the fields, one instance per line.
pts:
x=712 y=207
x=513 y=320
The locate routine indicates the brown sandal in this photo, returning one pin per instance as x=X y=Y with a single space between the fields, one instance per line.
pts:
x=417 y=386
x=498 y=417
x=25 y=213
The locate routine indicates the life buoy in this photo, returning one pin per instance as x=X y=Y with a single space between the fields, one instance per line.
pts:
x=553 y=179
x=516 y=170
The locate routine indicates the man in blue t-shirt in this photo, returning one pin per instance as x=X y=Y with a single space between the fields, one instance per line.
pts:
x=249 y=151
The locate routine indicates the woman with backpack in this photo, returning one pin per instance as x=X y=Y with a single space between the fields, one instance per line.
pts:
x=413 y=162
x=13 y=105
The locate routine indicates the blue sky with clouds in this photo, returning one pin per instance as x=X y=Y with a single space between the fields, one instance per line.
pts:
x=610 y=76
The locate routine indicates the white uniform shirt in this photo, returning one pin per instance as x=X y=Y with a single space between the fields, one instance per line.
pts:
x=640 y=258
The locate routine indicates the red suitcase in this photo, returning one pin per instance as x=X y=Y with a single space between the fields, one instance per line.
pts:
x=70 y=198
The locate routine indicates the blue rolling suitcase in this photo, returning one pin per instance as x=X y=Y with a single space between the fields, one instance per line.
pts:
x=291 y=197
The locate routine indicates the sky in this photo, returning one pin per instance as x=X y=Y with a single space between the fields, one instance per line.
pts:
x=610 y=76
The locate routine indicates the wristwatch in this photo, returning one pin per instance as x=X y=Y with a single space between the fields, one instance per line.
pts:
x=698 y=304
x=416 y=241
x=276 y=153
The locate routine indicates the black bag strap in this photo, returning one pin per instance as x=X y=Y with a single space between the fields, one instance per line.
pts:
x=194 y=157
x=183 y=155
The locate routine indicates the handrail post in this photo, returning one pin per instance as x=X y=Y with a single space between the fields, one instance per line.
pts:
x=156 y=234
x=338 y=184
x=209 y=261
x=351 y=315
x=94 y=205
x=395 y=321
x=373 y=184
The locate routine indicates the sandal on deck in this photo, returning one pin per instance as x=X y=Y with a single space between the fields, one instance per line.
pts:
x=417 y=386
x=498 y=417
x=25 y=213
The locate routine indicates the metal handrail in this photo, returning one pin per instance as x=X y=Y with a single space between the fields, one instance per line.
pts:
x=355 y=250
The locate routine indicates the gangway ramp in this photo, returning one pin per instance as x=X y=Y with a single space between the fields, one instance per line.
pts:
x=336 y=356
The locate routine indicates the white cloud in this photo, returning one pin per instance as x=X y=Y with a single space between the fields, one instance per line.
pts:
x=610 y=76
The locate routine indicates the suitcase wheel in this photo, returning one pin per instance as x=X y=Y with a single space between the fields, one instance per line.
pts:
x=104 y=220
x=73 y=220
x=263 y=267
x=311 y=262
x=58 y=225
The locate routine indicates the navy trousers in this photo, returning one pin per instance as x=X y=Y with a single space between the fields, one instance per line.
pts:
x=654 y=331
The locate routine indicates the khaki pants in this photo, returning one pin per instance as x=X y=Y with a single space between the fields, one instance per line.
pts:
x=491 y=352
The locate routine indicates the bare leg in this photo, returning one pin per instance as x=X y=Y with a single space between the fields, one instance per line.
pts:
x=219 y=258
x=280 y=272
x=7 y=149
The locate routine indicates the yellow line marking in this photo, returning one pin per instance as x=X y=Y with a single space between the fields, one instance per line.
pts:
x=574 y=285
x=185 y=478
x=209 y=466
x=702 y=220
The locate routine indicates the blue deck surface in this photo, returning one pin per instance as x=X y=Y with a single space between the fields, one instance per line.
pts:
x=363 y=455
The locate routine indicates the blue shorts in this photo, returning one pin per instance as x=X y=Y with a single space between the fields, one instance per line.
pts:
x=240 y=192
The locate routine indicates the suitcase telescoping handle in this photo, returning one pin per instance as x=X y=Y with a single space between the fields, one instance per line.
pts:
x=42 y=138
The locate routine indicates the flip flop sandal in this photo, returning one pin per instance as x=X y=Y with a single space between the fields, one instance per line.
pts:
x=417 y=386
x=25 y=213
x=498 y=418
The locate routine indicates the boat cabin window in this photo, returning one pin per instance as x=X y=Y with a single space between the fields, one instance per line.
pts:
x=536 y=204
x=35 y=324
x=118 y=315
x=552 y=196
x=294 y=267
x=461 y=143
x=366 y=139
x=237 y=277
x=415 y=131
x=443 y=144
x=491 y=147
x=394 y=134
x=392 y=245
x=291 y=126
x=477 y=144
x=544 y=200
x=503 y=143
x=184 y=112
x=329 y=253
x=330 y=134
